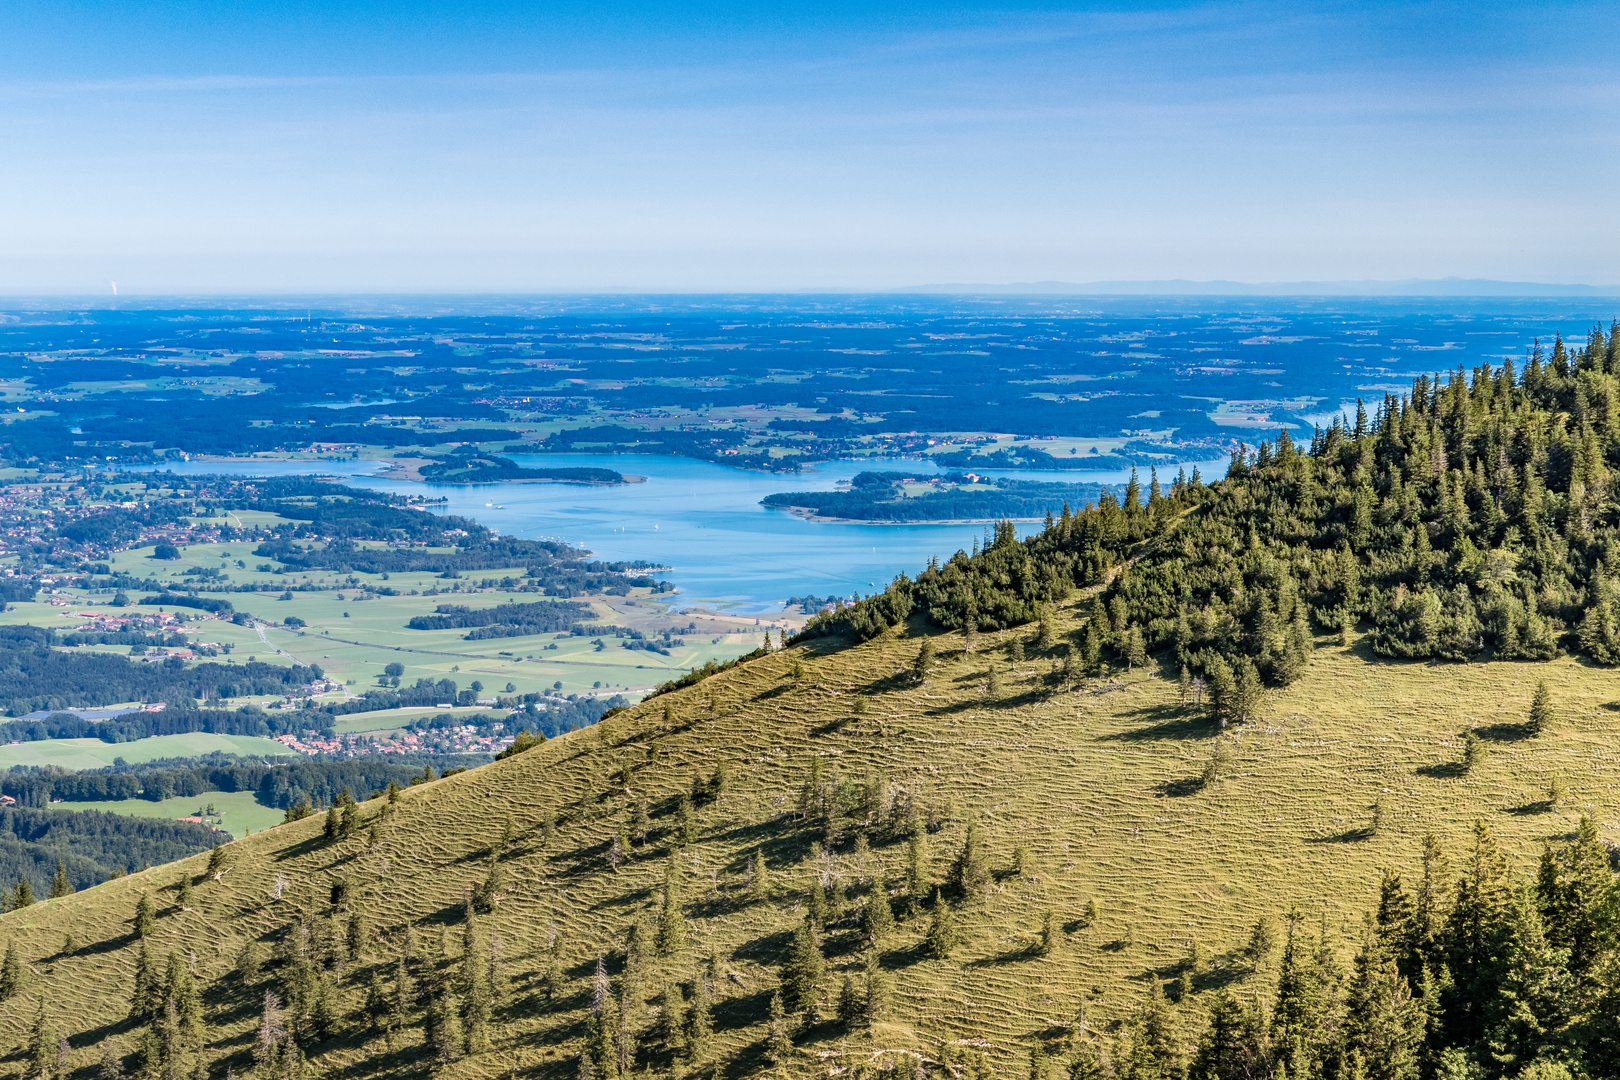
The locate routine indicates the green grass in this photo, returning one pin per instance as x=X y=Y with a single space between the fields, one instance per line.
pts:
x=1097 y=784
x=353 y=637
x=94 y=754
x=236 y=811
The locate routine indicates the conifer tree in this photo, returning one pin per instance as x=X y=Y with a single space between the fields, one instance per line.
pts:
x=879 y=992
x=377 y=1009
x=1541 y=710
x=670 y=1030
x=1383 y=1024
x=671 y=919
x=552 y=973
x=877 y=919
x=802 y=973
x=1473 y=931
x=1135 y=648
x=334 y=822
x=145 y=917
x=1301 y=1002
x=218 y=860
x=917 y=884
x=475 y=994
x=13 y=975
x=778 y=1037
x=147 y=992
x=816 y=905
x=60 y=885
x=1051 y=939
x=924 y=660
x=685 y=821
x=972 y=869
x=942 y=933
x=1040 y=1065
x=699 y=1021
x=759 y=878
x=851 y=1003
x=41 y=1049
x=1230 y=1046
x=24 y=895
x=184 y=896
x=403 y=998
x=640 y=821
x=180 y=991
x=1156 y=1050
x=444 y=1035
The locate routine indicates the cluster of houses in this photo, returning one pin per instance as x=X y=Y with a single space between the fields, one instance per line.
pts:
x=460 y=740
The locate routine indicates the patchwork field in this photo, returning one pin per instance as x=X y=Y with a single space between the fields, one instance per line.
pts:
x=95 y=754
x=353 y=634
x=1099 y=786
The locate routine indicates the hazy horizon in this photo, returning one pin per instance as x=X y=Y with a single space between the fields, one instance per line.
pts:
x=710 y=147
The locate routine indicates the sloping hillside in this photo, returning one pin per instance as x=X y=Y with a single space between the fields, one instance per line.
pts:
x=829 y=761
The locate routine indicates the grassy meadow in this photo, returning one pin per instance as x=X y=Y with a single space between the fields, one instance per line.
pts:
x=234 y=811
x=79 y=754
x=1100 y=785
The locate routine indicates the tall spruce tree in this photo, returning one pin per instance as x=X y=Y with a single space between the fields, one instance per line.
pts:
x=972 y=869
x=671 y=918
x=802 y=972
x=1541 y=709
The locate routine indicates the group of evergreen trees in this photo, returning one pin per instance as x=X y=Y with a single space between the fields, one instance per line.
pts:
x=1475 y=518
x=1461 y=977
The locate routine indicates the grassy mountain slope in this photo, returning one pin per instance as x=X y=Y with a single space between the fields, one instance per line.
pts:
x=1099 y=783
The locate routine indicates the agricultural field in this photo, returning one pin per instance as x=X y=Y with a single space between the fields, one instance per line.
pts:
x=236 y=812
x=94 y=754
x=1101 y=794
x=353 y=633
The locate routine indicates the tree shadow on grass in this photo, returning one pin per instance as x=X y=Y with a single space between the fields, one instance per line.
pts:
x=1180 y=789
x=1505 y=732
x=767 y=948
x=900 y=959
x=1348 y=836
x=1023 y=953
x=1167 y=722
x=1444 y=770
x=741 y=1010
x=302 y=848
x=110 y=945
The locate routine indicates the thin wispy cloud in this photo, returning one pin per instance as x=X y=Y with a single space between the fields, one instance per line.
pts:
x=1260 y=140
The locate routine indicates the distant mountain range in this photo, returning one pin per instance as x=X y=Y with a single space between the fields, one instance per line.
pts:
x=1181 y=287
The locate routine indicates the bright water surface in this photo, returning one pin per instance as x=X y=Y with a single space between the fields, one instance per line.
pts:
x=702 y=520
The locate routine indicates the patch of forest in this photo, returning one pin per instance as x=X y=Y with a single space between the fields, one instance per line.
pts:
x=880 y=496
x=1477 y=517
x=492 y=469
x=278 y=786
x=36 y=676
x=89 y=845
x=506 y=620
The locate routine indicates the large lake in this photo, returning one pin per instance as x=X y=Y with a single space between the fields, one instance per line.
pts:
x=701 y=519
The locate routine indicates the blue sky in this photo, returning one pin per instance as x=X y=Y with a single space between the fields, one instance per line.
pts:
x=197 y=147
